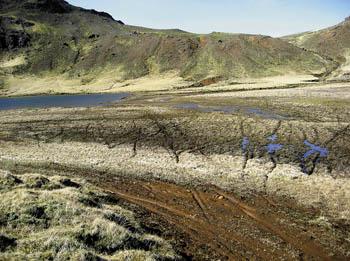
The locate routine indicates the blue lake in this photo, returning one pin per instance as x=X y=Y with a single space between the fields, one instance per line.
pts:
x=47 y=101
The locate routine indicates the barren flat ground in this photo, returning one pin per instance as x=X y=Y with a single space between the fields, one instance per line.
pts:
x=221 y=172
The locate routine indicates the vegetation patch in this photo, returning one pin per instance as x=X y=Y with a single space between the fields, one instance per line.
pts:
x=2 y=83
x=45 y=218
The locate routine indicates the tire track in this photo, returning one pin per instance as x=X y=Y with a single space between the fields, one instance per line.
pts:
x=307 y=246
x=200 y=229
x=198 y=200
x=189 y=224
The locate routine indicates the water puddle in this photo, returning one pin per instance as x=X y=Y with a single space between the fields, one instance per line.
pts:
x=245 y=144
x=224 y=109
x=264 y=114
x=315 y=150
x=187 y=106
x=273 y=147
x=230 y=109
x=307 y=163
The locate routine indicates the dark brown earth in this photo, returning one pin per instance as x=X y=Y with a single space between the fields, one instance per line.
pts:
x=217 y=224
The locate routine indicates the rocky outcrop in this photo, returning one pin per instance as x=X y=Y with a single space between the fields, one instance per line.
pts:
x=7 y=21
x=51 y=6
x=11 y=39
x=6 y=242
x=102 y=14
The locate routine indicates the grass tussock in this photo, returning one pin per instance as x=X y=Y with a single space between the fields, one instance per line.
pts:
x=55 y=218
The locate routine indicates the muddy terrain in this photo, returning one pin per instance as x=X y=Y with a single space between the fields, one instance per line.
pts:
x=221 y=176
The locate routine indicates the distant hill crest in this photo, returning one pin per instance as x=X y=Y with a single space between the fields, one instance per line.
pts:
x=54 y=37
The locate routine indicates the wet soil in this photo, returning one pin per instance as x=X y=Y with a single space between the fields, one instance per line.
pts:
x=216 y=225
x=231 y=109
x=208 y=223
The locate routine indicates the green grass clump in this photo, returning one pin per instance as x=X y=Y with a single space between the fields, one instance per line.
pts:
x=2 y=84
x=48 y=218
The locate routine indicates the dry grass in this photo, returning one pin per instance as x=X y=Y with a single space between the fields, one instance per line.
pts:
x=108 y=81
x=12 y=62
x=111 y=80
x=334 y=90
x=61 y=219
x=331 y=195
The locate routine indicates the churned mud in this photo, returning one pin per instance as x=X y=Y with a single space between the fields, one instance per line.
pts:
x=230 y=227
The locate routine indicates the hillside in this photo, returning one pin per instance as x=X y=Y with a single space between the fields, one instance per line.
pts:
x=332 y=42
x=45 y=38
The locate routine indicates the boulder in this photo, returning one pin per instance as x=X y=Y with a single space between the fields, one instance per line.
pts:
x=7 y=21
x=6 y=242
x=11 y=39
x=50 y=6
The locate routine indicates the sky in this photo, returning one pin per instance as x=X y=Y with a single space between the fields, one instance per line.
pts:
x=267 y=17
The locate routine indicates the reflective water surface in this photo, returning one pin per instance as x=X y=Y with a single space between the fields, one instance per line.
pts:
x=47 y=101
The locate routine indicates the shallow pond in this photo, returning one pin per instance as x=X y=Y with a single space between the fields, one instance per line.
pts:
x=47 y=101
x=231 y=109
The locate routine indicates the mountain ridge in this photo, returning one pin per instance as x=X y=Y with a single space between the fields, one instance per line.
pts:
x=332 y=42
x=52 y=37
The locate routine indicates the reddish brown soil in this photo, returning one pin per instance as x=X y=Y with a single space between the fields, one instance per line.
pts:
x=207 y=81
x=216 y=225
